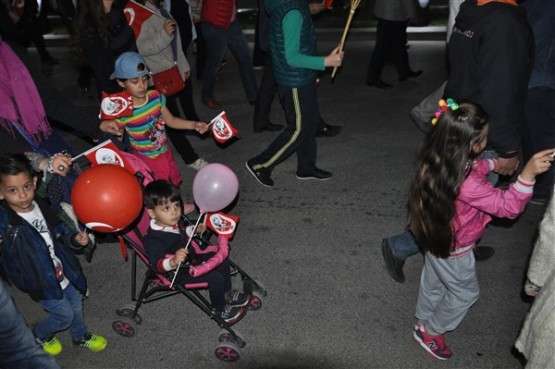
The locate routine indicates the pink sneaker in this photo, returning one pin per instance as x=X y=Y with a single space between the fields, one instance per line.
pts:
x=435 y=345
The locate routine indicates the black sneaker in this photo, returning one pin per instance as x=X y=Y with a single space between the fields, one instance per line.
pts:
x=329 y=131
x=483 y=253
x=262 y=175
x=318 y=174
x=393 y=265
x=231 y=314
x=236 y=298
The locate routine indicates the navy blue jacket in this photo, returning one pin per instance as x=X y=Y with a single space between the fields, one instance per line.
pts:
x=25 y=259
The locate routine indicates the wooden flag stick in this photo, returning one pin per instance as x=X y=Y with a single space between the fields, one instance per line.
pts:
x=354 y=5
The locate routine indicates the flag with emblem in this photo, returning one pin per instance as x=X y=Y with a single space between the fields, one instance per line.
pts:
x=136 y=14
x=222 y=224
x=116 y=105
x=106 y=153
x=222 y=130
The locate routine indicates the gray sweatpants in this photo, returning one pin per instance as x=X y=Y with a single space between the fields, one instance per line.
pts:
x=448 y=288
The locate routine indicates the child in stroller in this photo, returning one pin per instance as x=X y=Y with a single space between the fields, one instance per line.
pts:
x=164 y=244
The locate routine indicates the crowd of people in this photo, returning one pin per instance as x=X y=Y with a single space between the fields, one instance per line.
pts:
x=496 y=111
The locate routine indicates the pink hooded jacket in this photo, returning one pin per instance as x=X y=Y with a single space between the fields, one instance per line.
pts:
x=479 y=200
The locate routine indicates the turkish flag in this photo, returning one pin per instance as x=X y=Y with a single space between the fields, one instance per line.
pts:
x=222 y=130
x=107 y=153
x=222 y=224
x=136 y=14
x=116 y=105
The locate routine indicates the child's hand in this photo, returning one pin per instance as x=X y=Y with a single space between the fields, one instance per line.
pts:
x=110 y=126
x=169 y=26
x=335 y=58
x=179 y=257
x=81 y=238
x=539 y=163
x=201 y=228
x=201 y=127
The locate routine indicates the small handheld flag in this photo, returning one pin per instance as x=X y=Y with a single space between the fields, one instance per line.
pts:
x=222 y=130
x=116 y=105
x=222 y=224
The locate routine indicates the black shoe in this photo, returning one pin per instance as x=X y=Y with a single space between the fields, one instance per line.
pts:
x=412 y=74
x=262 y=175
x=482 y=253
x=329 y=131
x=393 y=265
x=379 y=84
x=318 y=174
x=270 y=127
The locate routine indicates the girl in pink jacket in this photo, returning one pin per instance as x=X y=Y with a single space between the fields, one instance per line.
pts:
x=451 y=202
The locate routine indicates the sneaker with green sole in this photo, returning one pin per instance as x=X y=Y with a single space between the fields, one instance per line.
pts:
x=52 y=346
x=93 y=342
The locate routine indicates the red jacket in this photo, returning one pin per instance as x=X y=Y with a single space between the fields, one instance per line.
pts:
x=218 y=13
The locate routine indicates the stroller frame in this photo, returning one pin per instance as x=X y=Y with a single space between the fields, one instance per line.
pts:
x=156 y=286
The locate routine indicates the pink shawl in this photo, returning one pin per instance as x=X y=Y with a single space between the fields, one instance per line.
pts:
x=19 y=99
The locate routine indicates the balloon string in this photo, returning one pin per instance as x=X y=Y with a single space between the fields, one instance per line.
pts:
x=186 y=247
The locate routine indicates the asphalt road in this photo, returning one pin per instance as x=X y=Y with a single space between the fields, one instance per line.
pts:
x=314 y=245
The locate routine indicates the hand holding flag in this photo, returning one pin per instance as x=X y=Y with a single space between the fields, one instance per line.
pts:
x=222 y=128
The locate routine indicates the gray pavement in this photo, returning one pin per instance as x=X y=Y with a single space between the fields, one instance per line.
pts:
x=315 y=246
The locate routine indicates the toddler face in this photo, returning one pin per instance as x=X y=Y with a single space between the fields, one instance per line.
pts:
x=166 y=215
x=18 y=191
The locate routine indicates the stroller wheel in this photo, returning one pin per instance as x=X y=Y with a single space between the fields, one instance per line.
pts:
x=255 y=303
x=225 y=336
x=124 y=327
x=127 y=312
x=227 y=351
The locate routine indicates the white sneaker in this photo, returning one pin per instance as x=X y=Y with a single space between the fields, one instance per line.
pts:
x=198 y=164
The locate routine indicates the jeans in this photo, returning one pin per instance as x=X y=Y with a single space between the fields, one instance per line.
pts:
x=18 y=347
x=63 y=314
x=403 y=245
x=218 y=41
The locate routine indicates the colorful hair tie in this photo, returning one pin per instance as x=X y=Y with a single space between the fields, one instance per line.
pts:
x=443 y=105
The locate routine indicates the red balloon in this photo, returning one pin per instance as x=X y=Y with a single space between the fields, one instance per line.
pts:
x=107 y=198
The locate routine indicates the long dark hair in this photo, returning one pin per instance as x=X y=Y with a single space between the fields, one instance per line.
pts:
x=445 y=161
x=91 y=19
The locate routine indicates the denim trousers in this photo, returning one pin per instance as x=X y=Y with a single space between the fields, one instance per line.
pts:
x=218 y=41
x=18 y=347
x=63 y=314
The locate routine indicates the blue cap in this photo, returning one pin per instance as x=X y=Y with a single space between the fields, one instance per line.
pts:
x=127 y=66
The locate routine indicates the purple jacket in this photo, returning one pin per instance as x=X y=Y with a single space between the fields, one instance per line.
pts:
x=478 y=201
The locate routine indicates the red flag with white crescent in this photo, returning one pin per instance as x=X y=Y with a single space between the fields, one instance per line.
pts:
x=136 y=14
x=222 y=224
x=116 y=105
x=222 y=130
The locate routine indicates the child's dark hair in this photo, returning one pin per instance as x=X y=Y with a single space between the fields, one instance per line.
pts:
x=160 y=193
x=14 y=164
x=445 y=161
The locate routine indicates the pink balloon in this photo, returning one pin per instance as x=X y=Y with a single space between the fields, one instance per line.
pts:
x=215 y=186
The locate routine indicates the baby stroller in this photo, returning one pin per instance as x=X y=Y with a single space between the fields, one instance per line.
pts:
x=156 y=286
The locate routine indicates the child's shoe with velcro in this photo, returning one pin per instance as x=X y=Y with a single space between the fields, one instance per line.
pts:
x=236 y=298
x=434 y=345
x=93 y=342
x=232 y=314
x=52 y=345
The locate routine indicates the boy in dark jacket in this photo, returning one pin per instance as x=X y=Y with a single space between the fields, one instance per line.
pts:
x=36 y=257
x=165 y=245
